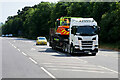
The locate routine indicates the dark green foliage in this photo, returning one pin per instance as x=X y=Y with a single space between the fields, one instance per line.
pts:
x=110 y=26
x=36 y=20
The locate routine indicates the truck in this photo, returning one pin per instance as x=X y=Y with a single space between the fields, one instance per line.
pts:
x=75 y=35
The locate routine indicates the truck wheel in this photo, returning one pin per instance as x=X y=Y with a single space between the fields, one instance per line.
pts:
x=71 y=50
x=66 y=49
x=63 y=49
x=93 y=54
x=53 y=47
x=50 y=44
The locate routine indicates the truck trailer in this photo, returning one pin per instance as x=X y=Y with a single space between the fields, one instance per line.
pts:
x=75 y=35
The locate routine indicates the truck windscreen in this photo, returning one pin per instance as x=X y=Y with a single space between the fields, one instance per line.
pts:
x=85 y=30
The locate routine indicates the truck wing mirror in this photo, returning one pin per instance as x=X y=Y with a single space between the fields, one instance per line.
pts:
x=98 y=29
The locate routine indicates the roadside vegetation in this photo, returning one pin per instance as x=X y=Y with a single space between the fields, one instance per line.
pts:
x=113 y=46
x=35 y=21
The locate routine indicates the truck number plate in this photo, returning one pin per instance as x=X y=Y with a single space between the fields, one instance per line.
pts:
x=86 y=51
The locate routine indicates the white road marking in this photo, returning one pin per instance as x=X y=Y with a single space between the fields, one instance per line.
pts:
x=108 y=69
x=70 y=64
x=114 y=56
x=18 y=49
x=59 y=61
x=80 y=70
x=27 y=41
x=82 y=60
x=10 y=42
x=14 y=46
x=48 y=73
x=89 y=57
x=24 y=54
x=33 y=60
x=33 y=49
x=87 y=68
x=14 y=41
x=47 y=63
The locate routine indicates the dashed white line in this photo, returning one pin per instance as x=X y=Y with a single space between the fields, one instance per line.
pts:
x=18 y=49
x=24 y=54
x=48 y=73
x=14 y=46
x=33 y=60
x=10 y=42
x=108 y=69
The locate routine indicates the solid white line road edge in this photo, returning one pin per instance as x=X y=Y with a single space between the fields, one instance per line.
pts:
x=48 y=73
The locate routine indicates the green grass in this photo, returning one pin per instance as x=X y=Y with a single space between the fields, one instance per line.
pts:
x=113 y=46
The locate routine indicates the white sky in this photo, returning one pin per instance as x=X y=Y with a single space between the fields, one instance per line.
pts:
x=10 y=7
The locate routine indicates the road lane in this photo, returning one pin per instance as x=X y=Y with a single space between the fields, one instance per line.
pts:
x=62 y=65
x=0 y=58
x=15 y=65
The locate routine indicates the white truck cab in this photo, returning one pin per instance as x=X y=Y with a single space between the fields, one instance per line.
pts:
x=83 y=36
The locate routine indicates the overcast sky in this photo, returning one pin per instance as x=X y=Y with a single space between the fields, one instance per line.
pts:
x=10 y=7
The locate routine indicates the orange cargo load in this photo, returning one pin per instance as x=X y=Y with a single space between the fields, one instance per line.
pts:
x=62 y=30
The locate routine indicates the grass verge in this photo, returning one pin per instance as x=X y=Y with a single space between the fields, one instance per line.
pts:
x=112 y=46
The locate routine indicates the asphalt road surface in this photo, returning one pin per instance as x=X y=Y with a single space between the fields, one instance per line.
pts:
x=21 y=58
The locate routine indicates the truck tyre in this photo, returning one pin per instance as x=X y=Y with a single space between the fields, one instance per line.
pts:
x=63 y=49
x=66 y=49
x=50 y=44
x=53 y=47
x=71 y=50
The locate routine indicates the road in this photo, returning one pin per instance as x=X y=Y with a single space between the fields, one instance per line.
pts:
x=21 y=58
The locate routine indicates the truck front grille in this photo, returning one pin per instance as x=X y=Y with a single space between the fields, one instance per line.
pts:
x=87 y=44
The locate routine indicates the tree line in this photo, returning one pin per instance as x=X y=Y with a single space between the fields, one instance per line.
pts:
x=34 y=21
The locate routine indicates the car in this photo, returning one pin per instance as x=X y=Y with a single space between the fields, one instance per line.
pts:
x=3 y=35
x=6 y=35
x=41 y=41
x=10 y=35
